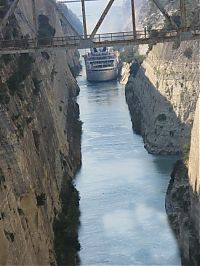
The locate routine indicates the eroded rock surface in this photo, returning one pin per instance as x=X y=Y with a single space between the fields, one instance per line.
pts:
x=39 y=145
x=182 y=200
x=162 y=96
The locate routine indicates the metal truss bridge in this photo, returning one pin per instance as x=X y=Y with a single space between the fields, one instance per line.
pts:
x=77 y=41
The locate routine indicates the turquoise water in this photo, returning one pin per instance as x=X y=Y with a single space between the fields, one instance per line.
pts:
x=122 y=187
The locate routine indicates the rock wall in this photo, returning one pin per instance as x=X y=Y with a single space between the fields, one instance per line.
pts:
x=183 y=200
x=39 y=145
x=162 y=95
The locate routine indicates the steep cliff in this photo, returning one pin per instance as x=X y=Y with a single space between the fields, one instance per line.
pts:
x=182 y=200
x=39 y=148
x=162 y=95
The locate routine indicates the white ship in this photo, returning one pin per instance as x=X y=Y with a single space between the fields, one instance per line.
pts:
x=101 y=65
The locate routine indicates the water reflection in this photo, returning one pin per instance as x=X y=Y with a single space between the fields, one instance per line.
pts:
x=122 y=187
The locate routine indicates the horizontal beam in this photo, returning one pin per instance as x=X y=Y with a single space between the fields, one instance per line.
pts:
x=74 y=1
x=109 y=40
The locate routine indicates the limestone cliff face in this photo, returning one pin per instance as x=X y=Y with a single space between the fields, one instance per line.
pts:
x=182 y=200
x=194 y=157
x=162 y=96
x=39 y=143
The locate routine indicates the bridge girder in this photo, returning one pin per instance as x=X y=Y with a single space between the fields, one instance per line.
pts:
x=89 y=41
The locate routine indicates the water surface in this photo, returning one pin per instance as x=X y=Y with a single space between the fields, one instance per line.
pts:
x=122 y=187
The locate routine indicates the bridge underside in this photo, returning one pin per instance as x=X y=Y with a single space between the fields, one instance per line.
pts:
x=101 y=40
x=77 y=41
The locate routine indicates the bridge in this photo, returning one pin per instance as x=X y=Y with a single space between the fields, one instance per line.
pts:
x=77 y=41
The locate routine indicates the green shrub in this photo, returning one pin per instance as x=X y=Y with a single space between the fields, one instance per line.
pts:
x=9 y=235
x=66 y=227
x=36 y=83
x=186 y=152
x=20 y=211
x=3 y=3
x=4 y=96
x=176 y=18
x=23 y=69
x=45 y=31
x=2 y=177
x=29 y=119
x=127 y=55
x=41 y=199
x=36 y=137
x=3 y=9
x=161 y=117
x=188 y=52
x=6 y=58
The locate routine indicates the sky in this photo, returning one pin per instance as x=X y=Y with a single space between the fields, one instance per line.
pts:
x=113 y=21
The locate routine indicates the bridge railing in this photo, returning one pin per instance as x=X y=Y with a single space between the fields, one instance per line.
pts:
x=140 y=35
x=102 y=39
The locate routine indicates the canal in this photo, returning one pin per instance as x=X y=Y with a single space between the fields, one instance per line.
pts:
x=122 y=187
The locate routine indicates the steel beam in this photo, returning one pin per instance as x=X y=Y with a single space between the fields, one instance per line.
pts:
x=84 y=18
x=183 y=13
x=164 y=12
x=105 y=12
x=122 y=38
x=8 y=14
x=34 y=17
x=133 y=18
x=63 y=17
x=83 y=45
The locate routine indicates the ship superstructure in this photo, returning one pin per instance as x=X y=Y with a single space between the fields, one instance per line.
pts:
x=101 y=65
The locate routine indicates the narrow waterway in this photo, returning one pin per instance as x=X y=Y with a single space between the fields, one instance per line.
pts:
x=122 y=187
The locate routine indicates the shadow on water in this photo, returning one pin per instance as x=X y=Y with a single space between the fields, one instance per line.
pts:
x=100 y=89
x=163 y=163
x=179 y=193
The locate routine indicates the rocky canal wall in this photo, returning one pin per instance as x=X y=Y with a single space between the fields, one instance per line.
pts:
x=39 y=147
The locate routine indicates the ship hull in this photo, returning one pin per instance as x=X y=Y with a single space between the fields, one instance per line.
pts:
x=102 y=75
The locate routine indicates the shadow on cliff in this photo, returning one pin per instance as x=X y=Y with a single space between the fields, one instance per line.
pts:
x=170 y=135
x=183 y=216
x=162 y=132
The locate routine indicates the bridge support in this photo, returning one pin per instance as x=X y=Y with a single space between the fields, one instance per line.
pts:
x=84 y=18
x=35 y=21
x=133 y=18
x=183 y=14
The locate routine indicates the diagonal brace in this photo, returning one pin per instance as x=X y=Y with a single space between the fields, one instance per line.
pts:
x=8 y=14
x=164 y=12
x=105 y=12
